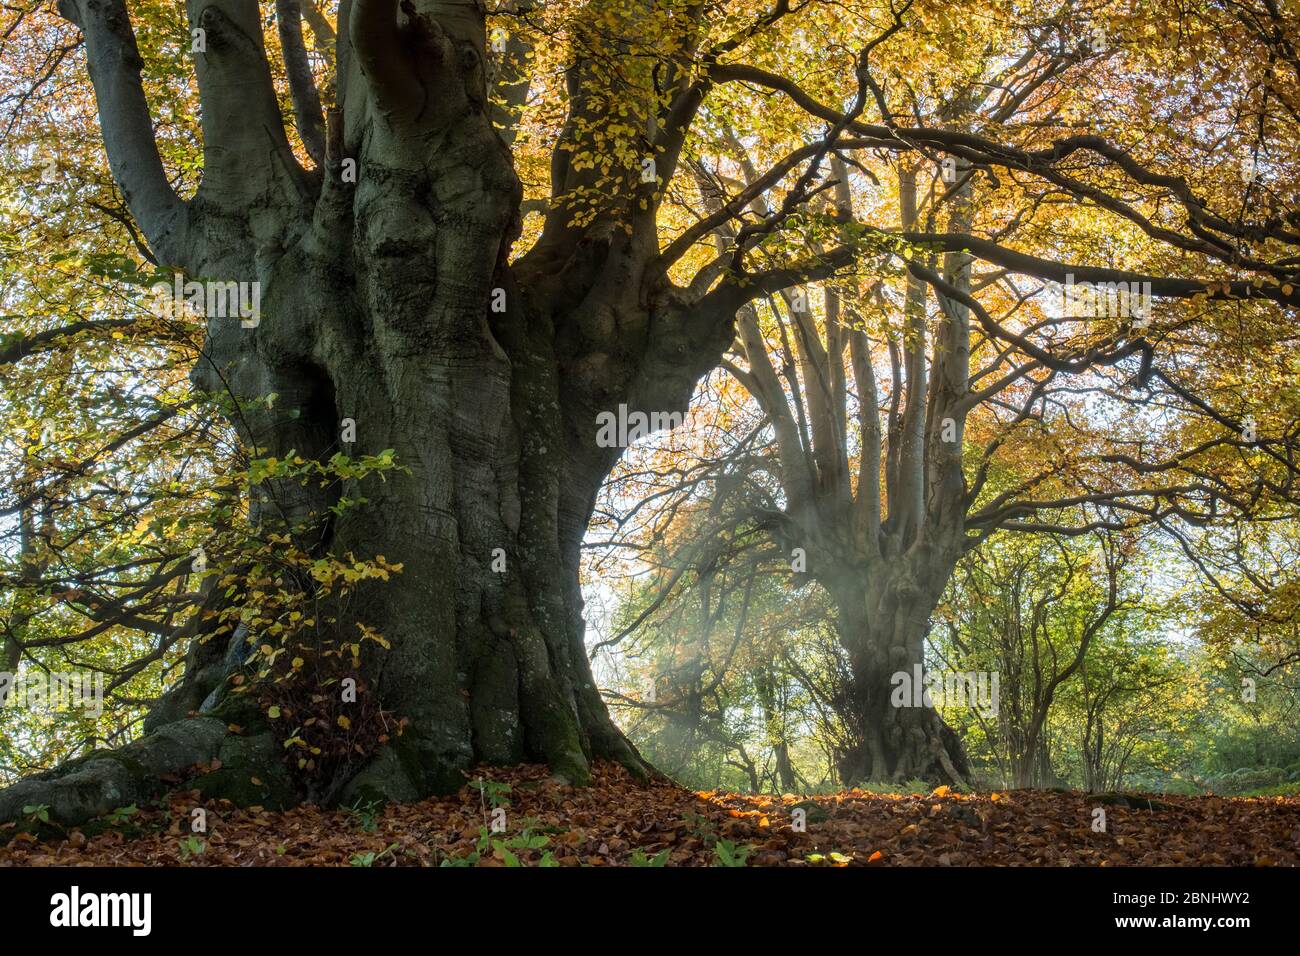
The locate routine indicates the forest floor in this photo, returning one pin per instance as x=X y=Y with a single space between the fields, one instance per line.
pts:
x=617 y=822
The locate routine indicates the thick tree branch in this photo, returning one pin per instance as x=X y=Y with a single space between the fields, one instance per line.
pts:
x=1161 y=286
x=302 y=85
x=114 y=63
x=247 y=160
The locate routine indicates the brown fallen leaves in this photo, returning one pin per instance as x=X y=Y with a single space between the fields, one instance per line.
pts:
x=607 y=823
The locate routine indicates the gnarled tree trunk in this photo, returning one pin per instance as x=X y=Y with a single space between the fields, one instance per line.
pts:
x=894 y=731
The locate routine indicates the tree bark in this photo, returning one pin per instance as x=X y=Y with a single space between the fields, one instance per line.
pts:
x=883 y=630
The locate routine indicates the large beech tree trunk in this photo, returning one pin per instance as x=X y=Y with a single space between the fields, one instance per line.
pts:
x=883 y=630
x=485 y=665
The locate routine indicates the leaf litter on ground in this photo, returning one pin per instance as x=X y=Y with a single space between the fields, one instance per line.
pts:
x=522 y=817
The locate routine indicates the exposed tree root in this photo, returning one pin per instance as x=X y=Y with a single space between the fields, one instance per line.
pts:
x=101 y=781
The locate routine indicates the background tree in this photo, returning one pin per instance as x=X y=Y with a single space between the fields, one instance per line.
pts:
x=1029 y=610
x=1132 y=704
x=958 y=393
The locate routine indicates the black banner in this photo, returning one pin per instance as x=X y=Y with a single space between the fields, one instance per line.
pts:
x=151 y=906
